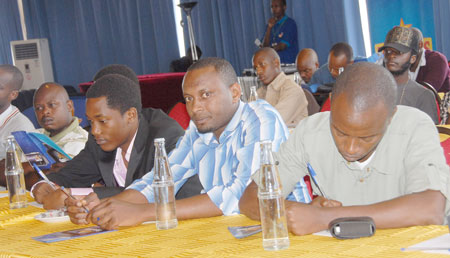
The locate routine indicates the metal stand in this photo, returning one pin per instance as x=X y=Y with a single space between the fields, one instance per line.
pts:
x=187 y=8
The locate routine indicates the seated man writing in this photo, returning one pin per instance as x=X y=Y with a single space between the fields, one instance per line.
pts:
x=339 y=57
x=372 y=158
x=221 y=146
x=120 y=147
x=280 y=91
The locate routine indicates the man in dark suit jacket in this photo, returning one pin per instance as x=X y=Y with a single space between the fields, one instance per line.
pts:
x=120 y=147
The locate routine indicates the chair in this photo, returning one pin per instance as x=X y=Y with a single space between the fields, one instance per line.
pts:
x=436 y=96
x=326 y=105
x=313 y=107
x=180 y=114
x=444 y=135
x=161 y=90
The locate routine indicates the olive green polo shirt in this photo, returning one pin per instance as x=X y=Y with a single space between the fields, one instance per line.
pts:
x=408 y=159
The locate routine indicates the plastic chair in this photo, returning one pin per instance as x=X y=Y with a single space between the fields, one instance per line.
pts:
x=313 y=107
x=180 y=114
x=436 y=96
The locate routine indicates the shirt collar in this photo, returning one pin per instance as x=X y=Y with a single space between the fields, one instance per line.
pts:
x=278 y=81
x=130 y=148
x=5 y=114
x=74 y=124
x=209 y=138
x=282 y=20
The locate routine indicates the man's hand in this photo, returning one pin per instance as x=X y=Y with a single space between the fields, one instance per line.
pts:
x=303 y=219
x=271 y=22
x=76 y=210
x=111 y=213
x=41 y=190
x=54 y=200
x=320 y=201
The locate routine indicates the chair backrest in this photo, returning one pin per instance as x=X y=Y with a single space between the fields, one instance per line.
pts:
x=180 y=114
x=436 y=97
x=326 y=105
x=313 y=107
x=161 y=90
x=444 y=135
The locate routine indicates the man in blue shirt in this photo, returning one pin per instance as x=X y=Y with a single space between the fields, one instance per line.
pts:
x=281 y=33
x=221 y=146
x=340 y=55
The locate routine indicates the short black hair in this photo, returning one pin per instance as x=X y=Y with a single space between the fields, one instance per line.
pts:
x=221 y=66
x=199 y=52
x=342 y=48
x=121 y=93
x=366 y=84
x=283 y=2
x=117 y=69
x=17 y=78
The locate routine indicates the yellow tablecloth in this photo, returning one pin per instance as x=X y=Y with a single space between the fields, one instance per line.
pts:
x=193 y=238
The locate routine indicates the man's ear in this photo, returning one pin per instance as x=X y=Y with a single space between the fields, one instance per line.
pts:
x=276 y=61
x=70 y=107
x=13 y=95
x=131 y=115
x=235 y=89
x=413 y=59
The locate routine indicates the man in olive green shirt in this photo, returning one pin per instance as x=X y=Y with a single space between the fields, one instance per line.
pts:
x=372 y=158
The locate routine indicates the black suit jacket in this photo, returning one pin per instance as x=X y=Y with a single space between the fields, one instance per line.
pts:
x=93 y=164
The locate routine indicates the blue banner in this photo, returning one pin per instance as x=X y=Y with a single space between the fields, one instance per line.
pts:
x=385 y=14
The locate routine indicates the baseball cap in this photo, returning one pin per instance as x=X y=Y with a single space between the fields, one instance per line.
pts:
x=402 y=39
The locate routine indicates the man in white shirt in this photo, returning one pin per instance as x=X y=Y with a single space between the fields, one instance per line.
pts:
x=11 y=120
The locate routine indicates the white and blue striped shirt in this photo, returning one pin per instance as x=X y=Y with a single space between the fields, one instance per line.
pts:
x=225 y=166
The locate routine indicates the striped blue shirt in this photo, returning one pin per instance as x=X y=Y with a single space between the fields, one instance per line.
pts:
x=225 y=166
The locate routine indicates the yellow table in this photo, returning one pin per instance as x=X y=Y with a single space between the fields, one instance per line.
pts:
x=193 y=238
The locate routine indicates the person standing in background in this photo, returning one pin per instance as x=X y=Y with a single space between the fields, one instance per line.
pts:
x=281 y=33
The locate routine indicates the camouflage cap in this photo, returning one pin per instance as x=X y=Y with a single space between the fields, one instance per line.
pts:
x=401 y=38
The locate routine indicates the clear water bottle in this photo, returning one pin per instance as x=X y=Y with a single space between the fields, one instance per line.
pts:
x=271 y=203
x=163 y=188
x=253 y=95
x=14 y=175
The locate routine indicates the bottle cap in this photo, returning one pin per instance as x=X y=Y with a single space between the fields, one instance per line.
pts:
x=158 y=140
x=266 y=142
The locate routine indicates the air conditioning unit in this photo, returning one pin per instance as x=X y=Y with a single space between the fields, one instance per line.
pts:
x=32 y=57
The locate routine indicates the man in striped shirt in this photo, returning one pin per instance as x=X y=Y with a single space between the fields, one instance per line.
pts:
x=221 y=146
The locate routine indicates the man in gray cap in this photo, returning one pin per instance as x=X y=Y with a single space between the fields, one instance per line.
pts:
x=401 y=47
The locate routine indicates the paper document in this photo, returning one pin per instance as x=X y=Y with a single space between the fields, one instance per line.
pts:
x=441 y=245
x=71 y=234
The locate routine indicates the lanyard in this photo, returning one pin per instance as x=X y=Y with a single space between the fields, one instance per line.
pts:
x=274 y=34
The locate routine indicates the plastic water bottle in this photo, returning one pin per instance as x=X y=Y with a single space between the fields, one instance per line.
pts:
x=271 y=203
x=14 y=175
x=163 y=188
x=253 y=95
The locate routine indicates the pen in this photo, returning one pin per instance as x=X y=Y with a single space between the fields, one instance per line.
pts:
x=43 y=175
x=424 y=248
x=71 y=196
x=313 y=175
